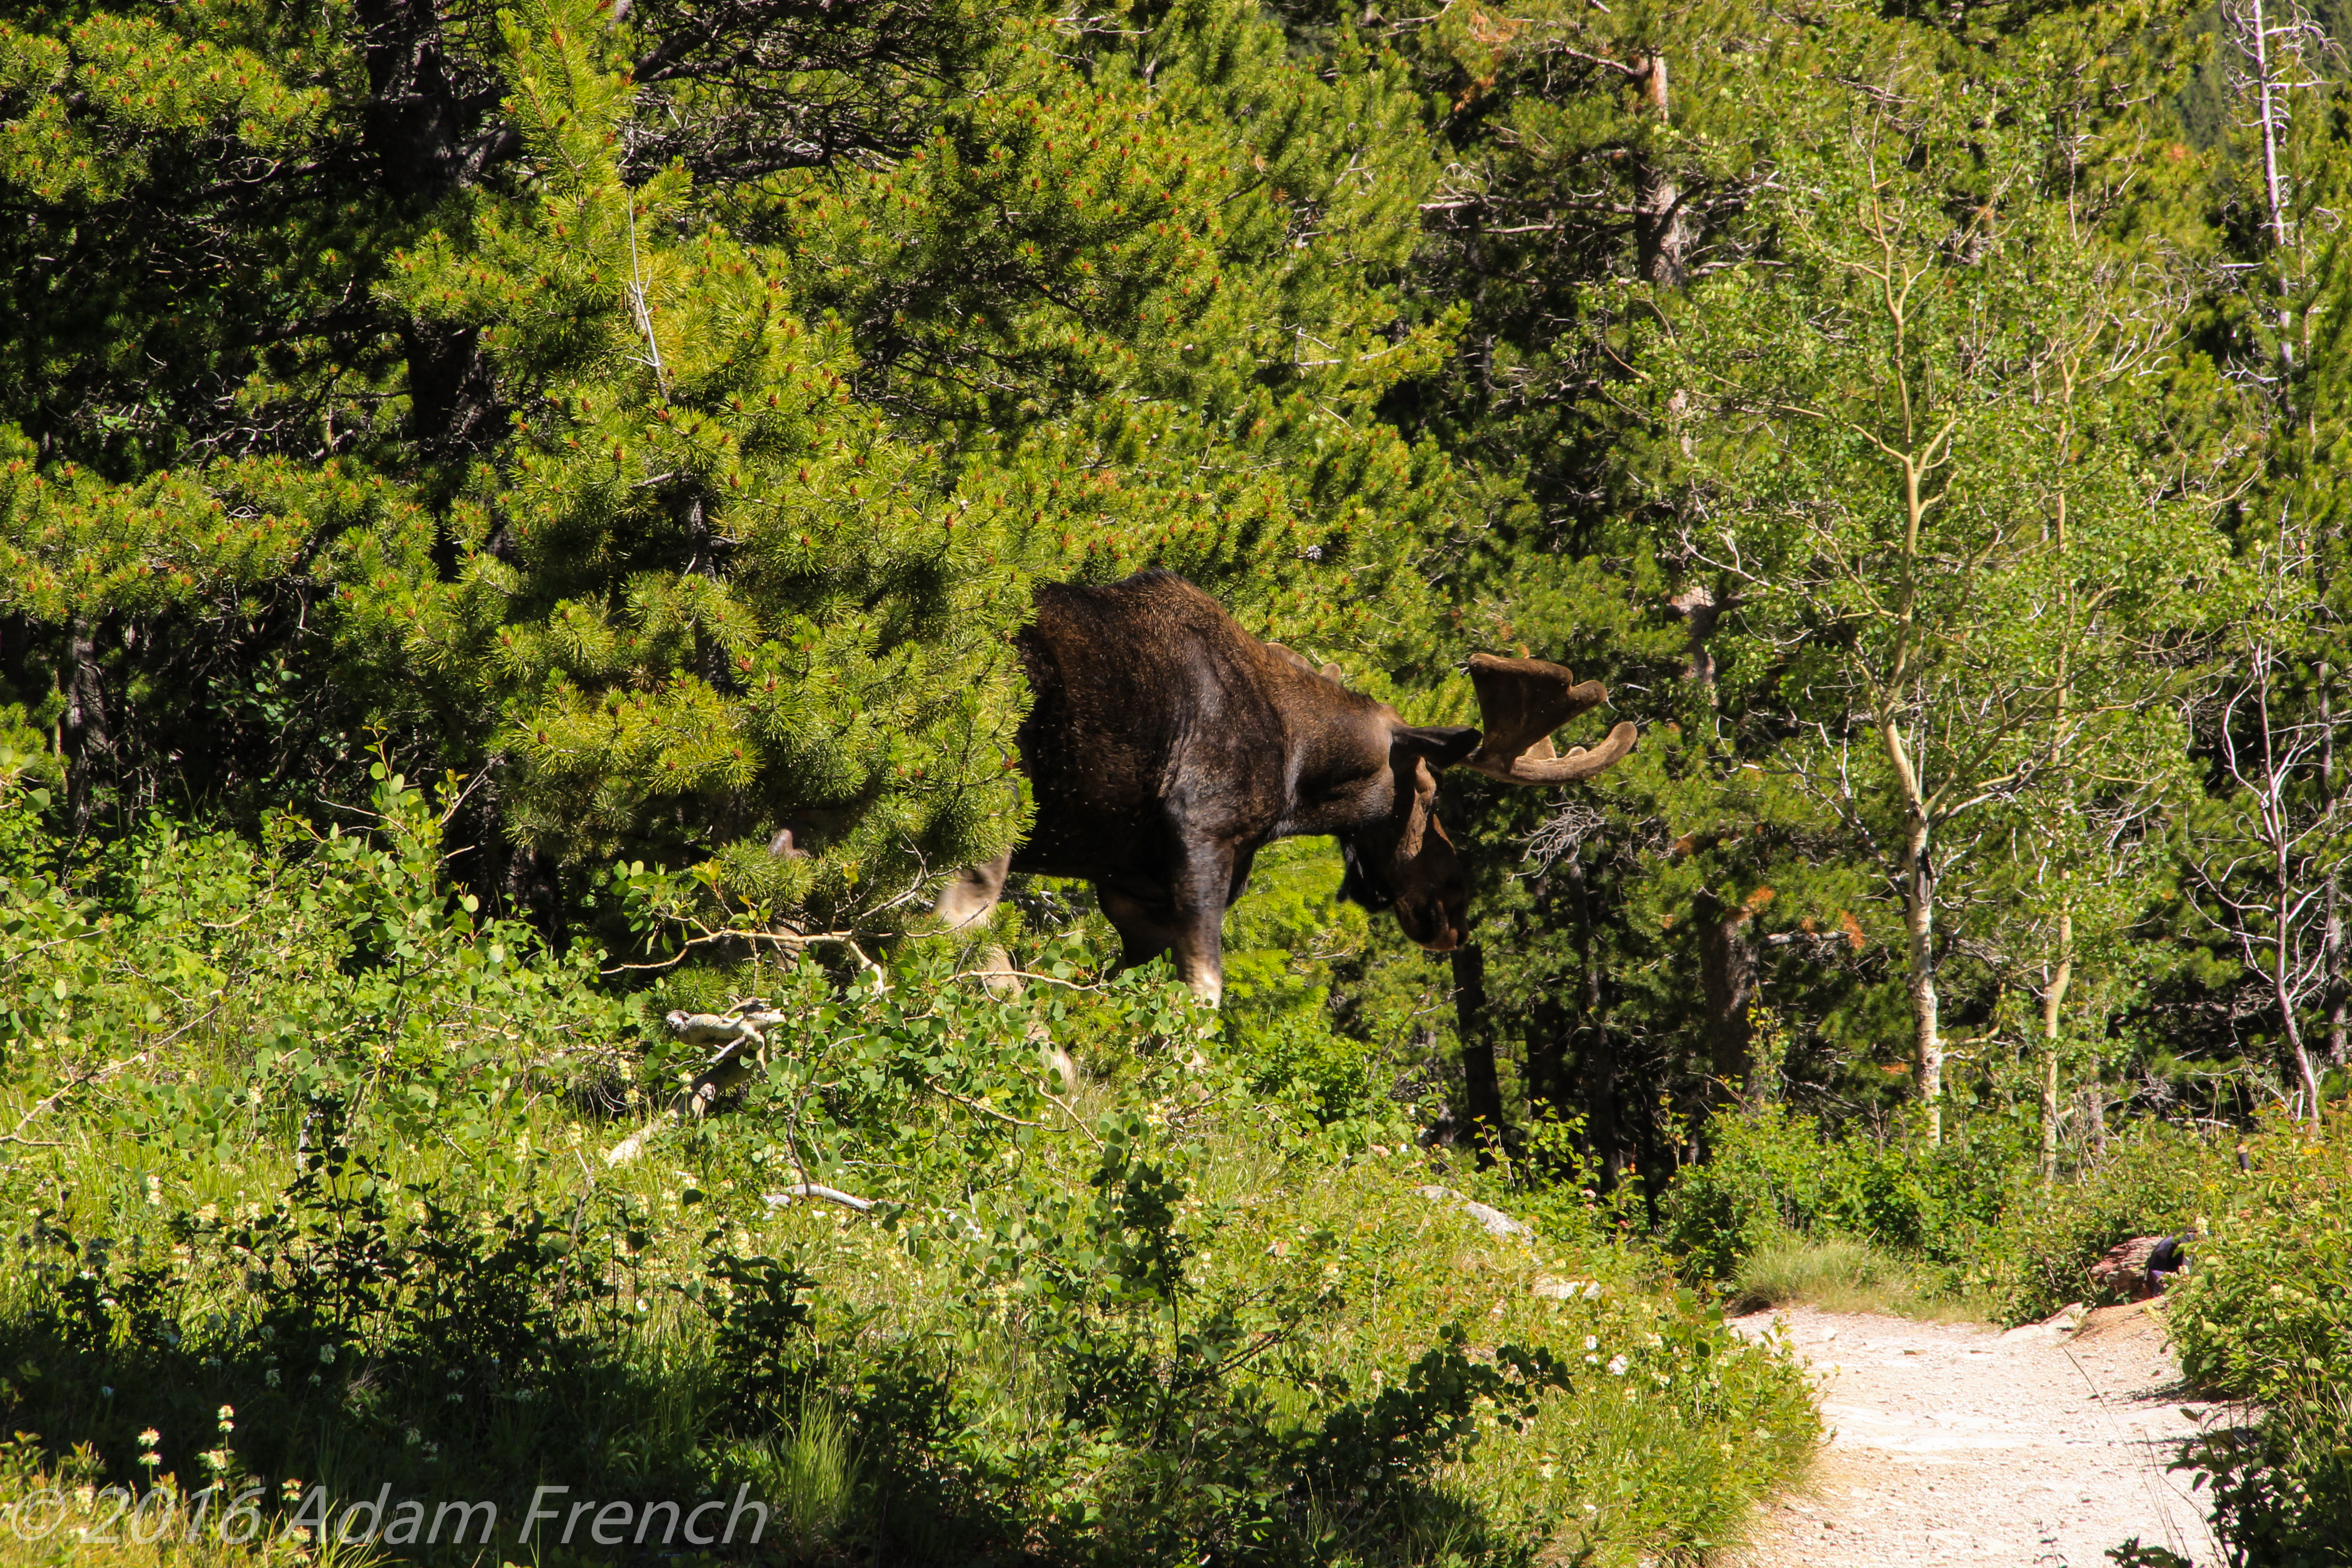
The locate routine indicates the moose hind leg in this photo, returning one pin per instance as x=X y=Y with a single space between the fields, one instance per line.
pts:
x=1144 y=929
x=966 y=900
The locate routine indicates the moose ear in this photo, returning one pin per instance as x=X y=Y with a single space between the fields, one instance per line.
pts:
x=1439 y=746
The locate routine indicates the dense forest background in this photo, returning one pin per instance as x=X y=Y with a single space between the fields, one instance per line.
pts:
x=512 y=526
x=1925 y=419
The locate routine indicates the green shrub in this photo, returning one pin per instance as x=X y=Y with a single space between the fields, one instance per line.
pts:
x=2268 y=1304
x=2152 y=1183
x=1767 y=1174
x=320 y=1206
x=2282 y=1485
x=2265 y=1316
x=1318 y=1074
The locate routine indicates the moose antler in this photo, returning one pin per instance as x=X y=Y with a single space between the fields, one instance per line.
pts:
x=1520 y=702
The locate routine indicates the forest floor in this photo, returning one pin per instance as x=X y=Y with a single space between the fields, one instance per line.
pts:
x=1955 y=1443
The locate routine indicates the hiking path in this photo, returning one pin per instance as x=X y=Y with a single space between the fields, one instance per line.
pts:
x=1955 y=1443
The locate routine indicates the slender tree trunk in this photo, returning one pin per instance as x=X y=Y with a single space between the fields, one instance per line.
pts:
x=2270 y=114
x=2332 y=934
x=1919 y=931
x=413 y=127
x=1918 y=865
x=2282 y=993
x=413 y=122
x=1727 y=978
x=2054 y=998
x=2333 y=990
x=1604 y=1127
x=1662 y=236
x=1482 y=1088
x=1549 y=1028
x=2332 y=938
x=1651 y=1168
x=84 y=734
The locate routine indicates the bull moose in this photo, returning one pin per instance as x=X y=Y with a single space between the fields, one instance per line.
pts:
x=1166 y=746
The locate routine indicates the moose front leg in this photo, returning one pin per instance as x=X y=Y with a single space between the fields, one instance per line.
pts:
x=1203 y=890
x=1186 y=923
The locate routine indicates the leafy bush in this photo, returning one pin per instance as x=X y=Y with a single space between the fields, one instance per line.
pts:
x=309 y=1193
x=2268 y=1304
x=1769 y=1174
x=2152 y=1183
x=223 y=988
x=2265 y=1316
x=1316 y=1073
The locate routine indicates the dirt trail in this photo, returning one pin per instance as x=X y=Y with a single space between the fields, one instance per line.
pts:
x=1958 y=1443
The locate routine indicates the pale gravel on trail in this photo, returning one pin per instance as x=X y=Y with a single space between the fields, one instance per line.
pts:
x=1953 y=1443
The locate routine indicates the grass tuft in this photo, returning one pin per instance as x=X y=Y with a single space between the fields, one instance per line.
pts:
x=1841 y=1274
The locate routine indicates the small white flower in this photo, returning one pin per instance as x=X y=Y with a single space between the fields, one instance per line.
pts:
x=1591 y=1343
x=1617 y=1366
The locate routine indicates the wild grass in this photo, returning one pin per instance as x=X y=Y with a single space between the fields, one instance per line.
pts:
x=808 y=1473
x=1669 y=1431
x=52 y=1519
x=319 y=1204
x=1843 y=1274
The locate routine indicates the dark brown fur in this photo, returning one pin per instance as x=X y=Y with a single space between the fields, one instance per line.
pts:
x=1167 y=746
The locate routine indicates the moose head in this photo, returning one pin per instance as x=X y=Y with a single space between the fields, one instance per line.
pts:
x=1403 y=859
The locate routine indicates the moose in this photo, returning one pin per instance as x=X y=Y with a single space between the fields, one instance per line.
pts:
x=1167 y=746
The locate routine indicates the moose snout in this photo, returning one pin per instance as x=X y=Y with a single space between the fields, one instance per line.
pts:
x=1434 y=927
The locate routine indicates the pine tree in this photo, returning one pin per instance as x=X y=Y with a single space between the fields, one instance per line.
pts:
x=663 y=419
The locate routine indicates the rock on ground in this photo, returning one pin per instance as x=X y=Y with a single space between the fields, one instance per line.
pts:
x=1954 y=1443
